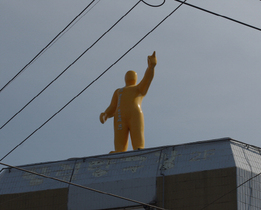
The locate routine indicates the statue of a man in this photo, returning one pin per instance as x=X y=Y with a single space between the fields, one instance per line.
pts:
x=125 y=107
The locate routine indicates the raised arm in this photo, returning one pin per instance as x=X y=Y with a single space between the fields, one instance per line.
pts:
x=109 y=112
x=149 y=74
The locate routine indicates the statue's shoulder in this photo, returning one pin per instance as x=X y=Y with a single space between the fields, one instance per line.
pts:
x=117 y=91
x=120 y=90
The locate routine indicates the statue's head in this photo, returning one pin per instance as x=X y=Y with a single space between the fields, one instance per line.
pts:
x=131 y=78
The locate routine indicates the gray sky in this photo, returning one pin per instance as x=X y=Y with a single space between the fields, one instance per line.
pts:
x=206 y=85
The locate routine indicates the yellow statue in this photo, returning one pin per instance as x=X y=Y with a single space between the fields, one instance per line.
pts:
x=125 y=107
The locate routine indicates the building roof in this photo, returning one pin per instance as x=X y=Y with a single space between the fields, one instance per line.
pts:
x=130 y=174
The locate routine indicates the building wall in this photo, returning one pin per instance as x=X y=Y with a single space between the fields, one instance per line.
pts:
x=197 y=190
x=248 y=163
x=25 y=191
x=40 y=200
x=188 y=176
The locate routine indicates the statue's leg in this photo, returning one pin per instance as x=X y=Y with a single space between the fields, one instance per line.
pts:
x=137 y=132
x=121 y=137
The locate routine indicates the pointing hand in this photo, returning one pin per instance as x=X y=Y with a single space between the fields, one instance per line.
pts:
x=152 y=60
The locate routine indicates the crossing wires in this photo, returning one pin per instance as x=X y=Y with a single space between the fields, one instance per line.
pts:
x=69 y=66
x=47 y=46
x=74 y=20
x=214 y=201
x=222 y=16
x=96 y=78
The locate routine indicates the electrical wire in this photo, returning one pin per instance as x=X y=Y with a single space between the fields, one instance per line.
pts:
x=151 y=5
x=222 y=16
x=55 y=39
x=120 y=197
x=68 y=66
x=75 y=22
x=95 y=79
x=81 y=186
x=184 y=2
x=109 y=29
x=231 y=191
x=46 y=47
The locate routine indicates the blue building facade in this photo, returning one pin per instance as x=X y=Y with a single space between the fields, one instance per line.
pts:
x=215 y=174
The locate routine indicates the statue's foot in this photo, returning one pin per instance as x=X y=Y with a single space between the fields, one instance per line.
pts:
x=138 y=149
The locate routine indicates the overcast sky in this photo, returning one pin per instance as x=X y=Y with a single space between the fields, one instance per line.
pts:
x=206 y=84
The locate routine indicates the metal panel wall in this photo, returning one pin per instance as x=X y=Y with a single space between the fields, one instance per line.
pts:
x=131 y=175
x=16 y=181
x=248 y=162
x=195 y=157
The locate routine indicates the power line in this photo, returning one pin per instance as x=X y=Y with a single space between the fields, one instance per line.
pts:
x=109 y=30
x=216 y=14
x=68 y=66
x=231 y=191
x=76 y=21
x=46 y=47
x=120 y=197
x=56 y=79
x=81 y=186
x=95 y=79
x=151 y=5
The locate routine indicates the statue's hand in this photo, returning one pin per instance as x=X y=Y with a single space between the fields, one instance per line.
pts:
x=103 y=117
x=152 y=60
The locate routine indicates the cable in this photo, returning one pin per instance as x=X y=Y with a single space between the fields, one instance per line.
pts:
x=120 y=197
x=231 y=191
x=107 y=32
x=94 y=79
x=75 y=22
x=151 y=5
x=81 y=186
x=81 y=55
x=31 y=172
x=45 y=48
x=228 y=18
x=68 y=66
